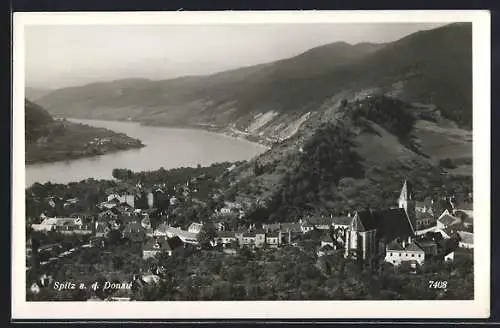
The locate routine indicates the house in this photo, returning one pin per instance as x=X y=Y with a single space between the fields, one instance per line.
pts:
x=320 y=223
x=284 y=227
x=424 y=220
x=466 y=239
x=157 y=245
x=195 y=227
x=273 y=239
x=446 y=220
x=341 y=222
x=306 y=227
x=59 y=224
x=186 y=236
x=397 y=253
x=225 y=238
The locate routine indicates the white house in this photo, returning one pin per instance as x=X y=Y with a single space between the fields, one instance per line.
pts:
x=466 y=239
x=195 y=227
x=397 y=254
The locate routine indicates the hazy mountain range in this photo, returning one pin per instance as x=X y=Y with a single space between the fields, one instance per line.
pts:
x=433 y=67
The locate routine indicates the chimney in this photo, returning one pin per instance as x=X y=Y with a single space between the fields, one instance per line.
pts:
x=279 y=238
x=289 y=237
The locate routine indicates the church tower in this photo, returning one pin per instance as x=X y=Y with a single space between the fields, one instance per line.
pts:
x=407 y=202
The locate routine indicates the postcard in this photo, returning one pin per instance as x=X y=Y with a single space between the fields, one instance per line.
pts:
x=251 y=165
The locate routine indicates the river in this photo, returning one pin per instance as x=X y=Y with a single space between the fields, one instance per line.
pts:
x=164 y=147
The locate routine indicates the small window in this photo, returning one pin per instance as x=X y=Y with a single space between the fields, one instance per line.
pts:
x=412 y=255
x=419 y=255
x=390 y=254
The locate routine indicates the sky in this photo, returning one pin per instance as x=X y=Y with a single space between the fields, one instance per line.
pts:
x=61 y=56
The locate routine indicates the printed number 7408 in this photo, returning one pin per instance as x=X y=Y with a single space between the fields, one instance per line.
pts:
x=439 y=284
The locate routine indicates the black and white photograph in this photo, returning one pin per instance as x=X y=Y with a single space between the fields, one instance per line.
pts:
x=254 y=164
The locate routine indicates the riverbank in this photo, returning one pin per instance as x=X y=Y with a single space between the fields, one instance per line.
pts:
x=70 y=140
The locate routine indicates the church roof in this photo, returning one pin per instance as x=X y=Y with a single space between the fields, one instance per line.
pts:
x=394 y=223
x=390 y=223
x=364 y=220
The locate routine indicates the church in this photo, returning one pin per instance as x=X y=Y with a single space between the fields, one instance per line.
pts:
x=371 y=231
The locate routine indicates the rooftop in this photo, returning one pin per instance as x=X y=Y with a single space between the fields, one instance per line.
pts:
x=466 y=237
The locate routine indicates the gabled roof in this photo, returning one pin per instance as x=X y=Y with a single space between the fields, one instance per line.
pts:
x=441 y=205
x=341 y=220
x=448 y=220
x=363 y=221
x=225 y=234
x=394 y=223
x=466 y=237
x=319 y=220
x=413 y=247
x=394 y=246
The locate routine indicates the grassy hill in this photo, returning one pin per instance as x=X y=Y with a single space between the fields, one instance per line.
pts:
x=48 y=139
x=431 y=67
x=357 y=158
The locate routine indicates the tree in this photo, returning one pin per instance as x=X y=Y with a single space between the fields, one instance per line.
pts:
x=207 y=235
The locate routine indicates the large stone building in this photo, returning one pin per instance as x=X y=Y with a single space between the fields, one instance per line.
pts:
x=371 y=231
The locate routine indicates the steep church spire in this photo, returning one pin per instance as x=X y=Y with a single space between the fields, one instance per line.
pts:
x=406 y=201
x=406 y=191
